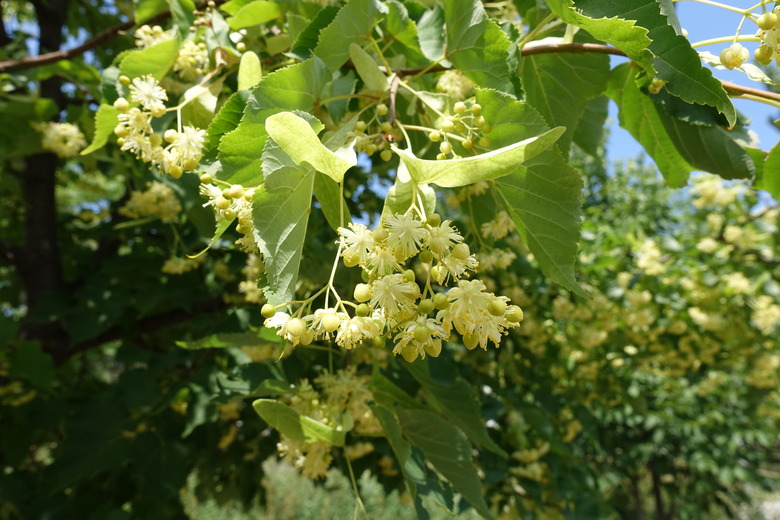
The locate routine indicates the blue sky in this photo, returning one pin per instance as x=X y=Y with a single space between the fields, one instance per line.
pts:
x=704 y=22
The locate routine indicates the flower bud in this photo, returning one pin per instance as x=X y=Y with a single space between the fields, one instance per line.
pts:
x=734 y=56
x=362 y=292
x=268 y=310
x=296 y=327
x=471 y=341
x=440 y=301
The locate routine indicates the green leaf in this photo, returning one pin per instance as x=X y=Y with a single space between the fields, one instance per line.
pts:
x=280 y=210
x=328 y=194
x=300 y=142
x=453 y=399
x=559 y=86
x=447 y=448
x=254 y=13
x=227 y=119
x=182 y=14
x=30 y=362
x=305 y=41
x=452 y=173
x=477 y=46
x=238 y=339
x=201 y=104
x=413 y=468
x=106 y=119
x=389 y=395
x=222 y=225
x=589 y=134
x=145 y=9
x=638 y=114
x=250 y=71
x=709 y=148
x=431 y=33
x=543 y=196
x=368 y=70
x=296 y=426
x=625 y=34
x=404 y=31
x=234 y=6
x=770 y=180
x=352 y=24
x=296 y=87
x=155 y=60
x=403 y=194
x=672 y=58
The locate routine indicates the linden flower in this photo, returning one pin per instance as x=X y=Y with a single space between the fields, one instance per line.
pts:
x=489 y=328
x=499 y=227
x=418 y=337
x=468 y=312
x=382 y=262
x=406 y=234
x=327 y=321
x=158 y=200
x=734 y=56
x=455 y=266
x=64 y=139
x=146 y=91
x=356 y=241
x=190 y=141
x=649 y=258
x=707 y=245
x=147 y=36
x=443 y=237
x=192 y=60
x=356 y=329
x=393 y=296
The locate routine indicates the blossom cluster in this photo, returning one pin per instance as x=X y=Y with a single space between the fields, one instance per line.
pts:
x=192 y=60
x=336 y=395
x=233 y=202
x=64 y=139
x=185 y=147
x=769 y=34
x=158 y=200
x=391 y=303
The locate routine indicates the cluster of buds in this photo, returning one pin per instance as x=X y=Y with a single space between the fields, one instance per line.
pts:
x=64 y=139
x=375 y=134
x=232 y=202
x=769 y=33
x=391 y=303
x=135 y=133
x=466 y=121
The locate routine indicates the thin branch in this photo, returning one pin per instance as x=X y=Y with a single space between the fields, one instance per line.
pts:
x=51 y=57
x=148 y=325
x=732 y=89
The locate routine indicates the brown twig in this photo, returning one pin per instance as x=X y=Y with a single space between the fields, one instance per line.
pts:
x=52 y=57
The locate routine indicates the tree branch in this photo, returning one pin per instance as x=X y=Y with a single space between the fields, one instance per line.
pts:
x=51 y=57
x=146 y=325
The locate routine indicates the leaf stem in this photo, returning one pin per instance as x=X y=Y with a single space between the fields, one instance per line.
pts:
x=725 y=39
x=543 y=26
x=358 y=500
x=722 y=6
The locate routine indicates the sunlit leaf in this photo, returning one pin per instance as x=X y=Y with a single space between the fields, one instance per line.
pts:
x=296 y=426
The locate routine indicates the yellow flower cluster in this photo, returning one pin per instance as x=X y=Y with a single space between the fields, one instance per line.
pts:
x=769 y=34
x=391 y=303
x=233 y=202
x=64 y=139
x=135 y=134
x=158 y=200
x=339 y=394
